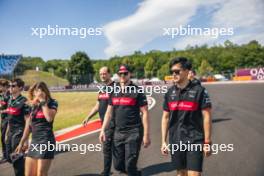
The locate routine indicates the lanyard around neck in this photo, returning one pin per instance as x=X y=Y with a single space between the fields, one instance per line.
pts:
x=16 y=100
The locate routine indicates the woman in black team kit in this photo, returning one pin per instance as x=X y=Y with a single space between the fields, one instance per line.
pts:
x=43 y=112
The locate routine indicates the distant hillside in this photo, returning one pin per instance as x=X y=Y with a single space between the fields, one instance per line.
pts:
x=32 y=76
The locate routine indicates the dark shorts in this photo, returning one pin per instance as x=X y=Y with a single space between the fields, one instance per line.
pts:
x=187 y=160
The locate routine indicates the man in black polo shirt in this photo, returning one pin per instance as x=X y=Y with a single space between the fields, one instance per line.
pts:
x=4 y=96
x=101 y=106
x=131 y=129
x=18 y=115
x=192 y=77
x=187 y=117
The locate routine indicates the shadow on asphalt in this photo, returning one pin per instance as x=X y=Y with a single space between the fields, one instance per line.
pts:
x=158 y=168
x=220 y=120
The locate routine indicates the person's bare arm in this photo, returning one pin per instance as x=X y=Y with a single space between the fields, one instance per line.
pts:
x=3 y=111
x=145 y=122
x=49 y=113
x=94 y=110
x=6 y=133
x=164 y=132
x=106 y=122
x=207 y=123
x=25 y=135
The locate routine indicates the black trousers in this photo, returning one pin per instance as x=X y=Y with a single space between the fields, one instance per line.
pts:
x=4 y=124
x=126 y=150
x=108 y=151
x=13 y=140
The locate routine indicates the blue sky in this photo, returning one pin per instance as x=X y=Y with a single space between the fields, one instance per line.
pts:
x=128 y=25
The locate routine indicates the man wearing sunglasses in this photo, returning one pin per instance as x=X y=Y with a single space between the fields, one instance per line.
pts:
x=130 y=128
x=187 y=119
x=18 y=115
x=4 y=96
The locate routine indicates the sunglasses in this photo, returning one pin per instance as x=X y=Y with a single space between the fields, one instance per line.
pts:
x=12 y=85
x=123 y=74
x=176 y=71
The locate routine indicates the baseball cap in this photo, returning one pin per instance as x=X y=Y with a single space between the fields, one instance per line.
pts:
x=123 y=69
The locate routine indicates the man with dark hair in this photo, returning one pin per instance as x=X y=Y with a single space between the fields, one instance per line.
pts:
x=192 y=77
x=130 y=128
x=4 y=97
x=101 y=106
x=18 y=115
x=185 y=63
x=187 y=119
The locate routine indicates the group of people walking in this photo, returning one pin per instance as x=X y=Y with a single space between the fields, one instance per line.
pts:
x=125 y=122
x=21 y=116
x=186 y=118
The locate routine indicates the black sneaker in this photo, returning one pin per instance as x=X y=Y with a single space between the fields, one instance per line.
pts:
x=16 y=156
x=139 y=173
x=106 y=174
x=3 y=160
x=122 y=173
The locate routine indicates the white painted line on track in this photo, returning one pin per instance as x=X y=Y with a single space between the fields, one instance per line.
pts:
x=234 y=82
x=77 y=137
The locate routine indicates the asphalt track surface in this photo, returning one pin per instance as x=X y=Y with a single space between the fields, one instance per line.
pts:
x=237 y=119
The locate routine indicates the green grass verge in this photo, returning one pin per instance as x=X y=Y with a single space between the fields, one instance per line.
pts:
x=73 y=108
x=32 y=76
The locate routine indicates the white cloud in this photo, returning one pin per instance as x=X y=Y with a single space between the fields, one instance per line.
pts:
x=240 y=14
x=147 y=23
x=245 y=17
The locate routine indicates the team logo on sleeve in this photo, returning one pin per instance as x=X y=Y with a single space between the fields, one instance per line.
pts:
x=103 y=96
x=192 y=93
x=207 y=98
x=125 y=101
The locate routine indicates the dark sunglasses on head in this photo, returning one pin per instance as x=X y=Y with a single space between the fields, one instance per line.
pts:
x=176 y=71
x=12 y=85
x=124 y=74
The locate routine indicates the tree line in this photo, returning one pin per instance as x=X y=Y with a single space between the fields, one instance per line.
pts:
x=223 y=59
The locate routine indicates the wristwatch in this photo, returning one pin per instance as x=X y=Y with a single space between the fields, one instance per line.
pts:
x=42 y=103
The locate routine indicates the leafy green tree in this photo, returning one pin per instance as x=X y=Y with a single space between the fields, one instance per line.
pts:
x=29 y=63
x=57 y=66
x=205 y=68
x=215 y=59
x=139 y=66
x=149 y=67
x=80 y=69
x=163 y=71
